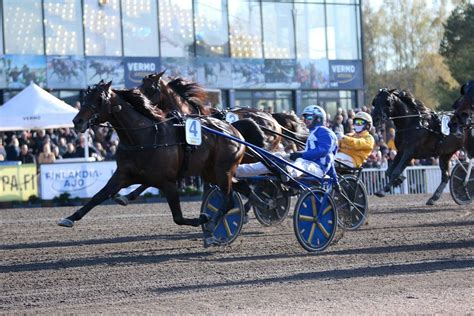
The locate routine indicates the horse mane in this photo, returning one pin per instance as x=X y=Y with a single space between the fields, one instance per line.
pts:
x=191 y=92
x=140 y=103
x=408 y=98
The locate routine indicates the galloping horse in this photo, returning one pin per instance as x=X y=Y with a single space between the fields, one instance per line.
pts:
x=152 y=151
x=462 y=122
x=418 y=135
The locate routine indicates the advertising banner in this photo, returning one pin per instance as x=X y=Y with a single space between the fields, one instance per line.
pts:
x=179 y=67
x=280 y=73
x=21 y=70
x=214 y=72
x=80 y=179
x=18 y=183
x=66 y=72
x=312 y=74
x=105 y=68
x=346 y=74
x=138 y=67
x=248 y=73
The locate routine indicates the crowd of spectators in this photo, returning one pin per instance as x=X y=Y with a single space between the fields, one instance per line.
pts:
x=47 y=146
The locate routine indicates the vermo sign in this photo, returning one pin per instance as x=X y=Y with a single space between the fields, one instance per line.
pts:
x=18 y=183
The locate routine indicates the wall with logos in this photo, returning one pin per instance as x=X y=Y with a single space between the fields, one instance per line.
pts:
x=75 y=72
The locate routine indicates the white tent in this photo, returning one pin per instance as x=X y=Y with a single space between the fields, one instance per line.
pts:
x=34 y=108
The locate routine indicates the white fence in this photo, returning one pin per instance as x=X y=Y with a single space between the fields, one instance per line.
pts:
x=419 y=180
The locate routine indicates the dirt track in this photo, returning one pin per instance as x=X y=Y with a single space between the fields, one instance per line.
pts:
x=410 y=259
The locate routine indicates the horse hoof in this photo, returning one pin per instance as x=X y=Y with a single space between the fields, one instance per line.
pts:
x=122 y=200
x=380 y=193
x=64 y=222
x=246 y=219
x=430 y=202
x=204 y=218
x=210 y=241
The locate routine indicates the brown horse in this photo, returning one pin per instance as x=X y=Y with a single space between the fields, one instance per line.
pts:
x=152 y=151
x=418 y=135
x=294 y=129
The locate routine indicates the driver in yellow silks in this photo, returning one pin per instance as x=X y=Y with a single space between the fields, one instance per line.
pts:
x=354 y=148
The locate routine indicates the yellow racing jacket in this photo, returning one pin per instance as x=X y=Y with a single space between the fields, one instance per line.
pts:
x=358 y=146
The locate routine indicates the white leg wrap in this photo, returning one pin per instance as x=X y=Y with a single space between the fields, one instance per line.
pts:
x=251 y=169
x=306 y=165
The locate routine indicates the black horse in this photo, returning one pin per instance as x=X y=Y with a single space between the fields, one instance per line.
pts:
x=152 y=151
x=462 y=122
x=418 y=135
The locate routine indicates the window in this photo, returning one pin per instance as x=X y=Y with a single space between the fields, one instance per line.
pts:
x=23 y=27
x=269 y=101
x=63 y=26
x=310 y=31
x=176 y=28
x=210 y=22
x=245 y=29
x=140 y=27
x=102 y=27
x=278 y=31
x=329 y=100
x=342 y=31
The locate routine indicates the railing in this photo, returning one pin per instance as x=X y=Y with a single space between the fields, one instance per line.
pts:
x=419 y=180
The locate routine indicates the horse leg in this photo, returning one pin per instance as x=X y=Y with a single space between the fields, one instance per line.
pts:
x=395 y=175
x=170 y=190
x=110 y=189
x=123 y=200
x=444 y=165
x=388 y=173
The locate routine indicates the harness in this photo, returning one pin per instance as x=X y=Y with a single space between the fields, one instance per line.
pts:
x=161 y=138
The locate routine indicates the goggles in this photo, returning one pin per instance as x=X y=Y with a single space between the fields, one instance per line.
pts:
x=359 y=122
x=308 y=117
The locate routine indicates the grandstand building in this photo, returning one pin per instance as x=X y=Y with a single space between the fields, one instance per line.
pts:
x=272 y=55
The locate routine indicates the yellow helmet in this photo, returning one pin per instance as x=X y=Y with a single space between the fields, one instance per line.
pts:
x=364 y=116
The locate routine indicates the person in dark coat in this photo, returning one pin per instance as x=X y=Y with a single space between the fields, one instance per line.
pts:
x=25 y=155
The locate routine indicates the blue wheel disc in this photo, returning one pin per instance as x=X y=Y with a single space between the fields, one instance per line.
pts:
x=315 y=220
x=228 y=228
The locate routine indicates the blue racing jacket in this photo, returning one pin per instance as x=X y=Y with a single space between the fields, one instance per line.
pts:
x=321 y=146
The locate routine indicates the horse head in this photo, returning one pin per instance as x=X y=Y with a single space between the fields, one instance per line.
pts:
x=150 y=87
x=96 y=107
x=382 y=106
x=463 y=107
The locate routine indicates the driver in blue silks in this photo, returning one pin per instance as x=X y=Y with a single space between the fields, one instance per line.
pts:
x=318 y=156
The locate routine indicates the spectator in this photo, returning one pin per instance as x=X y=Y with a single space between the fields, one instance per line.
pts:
x=25 y=138
x=38 y=141
x=55 y=150
x=3 y=152
x=62 y=146
x=46 y=156
x=337 y=127
x=101 y=152
x=71 y=151
x=25 y=155
x=13 y=149
x=81 y=147
x=391 y=139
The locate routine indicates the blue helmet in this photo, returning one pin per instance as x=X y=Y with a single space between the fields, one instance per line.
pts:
x=318 y=113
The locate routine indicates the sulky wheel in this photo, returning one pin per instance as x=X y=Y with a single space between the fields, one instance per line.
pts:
x=277 y=201
x=461 y=192
x=315 y=220
x=228 y=228
x=351 y=203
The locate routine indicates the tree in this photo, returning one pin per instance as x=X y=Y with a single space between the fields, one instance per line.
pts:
x=401 y=44
x=457 y=44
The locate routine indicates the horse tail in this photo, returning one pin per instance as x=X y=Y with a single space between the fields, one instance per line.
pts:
x=251 y=132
